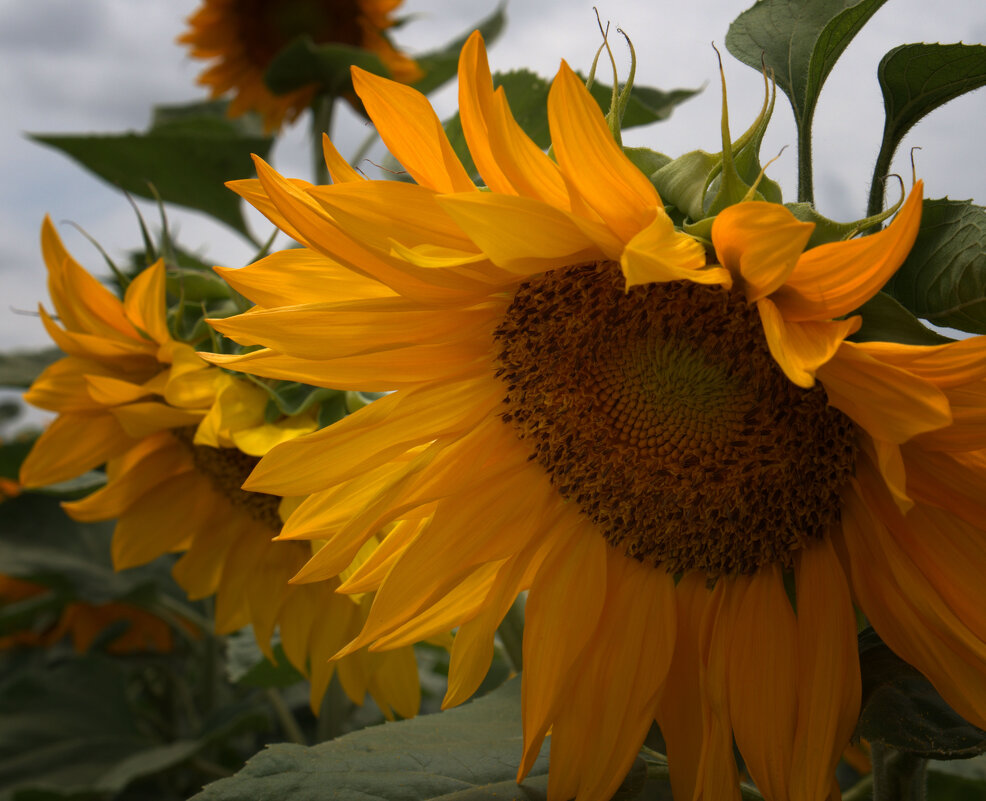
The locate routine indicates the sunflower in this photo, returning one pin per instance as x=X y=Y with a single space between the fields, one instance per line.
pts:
x=655 y=442
x=178 y=437
x=243 y=36
x=84 y=623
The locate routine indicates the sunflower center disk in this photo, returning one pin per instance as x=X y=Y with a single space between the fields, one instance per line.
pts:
x=662 y=414
x=227 y=469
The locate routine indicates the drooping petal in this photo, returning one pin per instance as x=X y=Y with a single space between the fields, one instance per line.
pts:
x=338 y=167
x=829 y=683
x=801 y=348
x=833 y=279
x=145 y=304
x=952 y=481
x=890 y=403
x=763 y=680
x=412 y=132
x=759 y=243
x=71 y=445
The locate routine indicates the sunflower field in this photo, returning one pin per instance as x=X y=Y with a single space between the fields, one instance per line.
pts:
x=527 y=463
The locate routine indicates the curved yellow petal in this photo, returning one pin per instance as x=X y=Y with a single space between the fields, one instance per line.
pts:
x=519 y=234
x=951 y=365
x=759 y=243
x=475 y=111
x=412 y=131
x=835 y=278
x=592 y=161
x=145 y=303
x=140 y=420
x=801 y=348
x=252 y=191
x=659 y=253
x=339 y=168
x=889 y=403
x=63 y=386
x=887 y=460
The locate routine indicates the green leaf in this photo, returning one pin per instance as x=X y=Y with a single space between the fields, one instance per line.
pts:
x=467 y=754
x=186 y=156
x=440 y=66
x=902 y=710
x=800 y=40
x=303 y=62
x=20 y=368
x=943 y=279
x=885 y=320
x=916 y=79
x=646 y=160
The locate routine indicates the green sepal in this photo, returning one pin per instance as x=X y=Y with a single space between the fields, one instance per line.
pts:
x=646 y=160
x=885 y=320
x=290 y=398
x=827 y=230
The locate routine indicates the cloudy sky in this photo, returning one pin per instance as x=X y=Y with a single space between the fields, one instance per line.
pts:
x=99 y=65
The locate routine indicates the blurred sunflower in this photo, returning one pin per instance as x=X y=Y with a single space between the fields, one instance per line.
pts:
x=178 y=437
x=649 y=440
x=85 y=622
x=243 y=36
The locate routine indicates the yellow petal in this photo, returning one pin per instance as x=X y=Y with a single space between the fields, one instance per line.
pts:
x=126 y=353
x=835 y=278
x=373 y=435
x=519 y=234
x=592 y=161
x=71 y=445
x=145 y=304
x=83 y=304
x=108 y=391
x=475 y=110
x=412 y=132
x=258 y=440
x=829 y=684
x=889 y=403
x=759 y=243
x=886 y=459
x=953 y=481
x=140 y=420
x=339 y=168
x=336 y=330
x=762 y=680
x=659 y=253
x=253 y=192
x=298 y=275
x=376 y=212
x=63 y=386
x=968 y=429
x=946 y=366
x=801 y=348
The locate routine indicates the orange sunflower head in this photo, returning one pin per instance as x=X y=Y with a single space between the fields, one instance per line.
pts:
x=655 y=439
x=243 y=36
x=178 y=438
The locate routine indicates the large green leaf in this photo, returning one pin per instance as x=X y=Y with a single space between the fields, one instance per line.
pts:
x=800 y=40
x=916 y=79
x=901 y=709
x=469 y=754
x=885 y=320
x=440 y=66
x=186 y=156
x=943 y=279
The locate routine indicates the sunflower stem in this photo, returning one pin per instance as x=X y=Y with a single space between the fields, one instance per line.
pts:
x=322 y=108
x=511 y=633
x=806 y=187
x=898 y=776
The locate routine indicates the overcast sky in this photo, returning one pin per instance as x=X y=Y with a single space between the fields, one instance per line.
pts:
x=76 y=66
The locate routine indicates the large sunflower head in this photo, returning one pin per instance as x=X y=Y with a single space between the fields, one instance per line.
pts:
x=656 y=439
x=243 y=36
x=178 y=437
